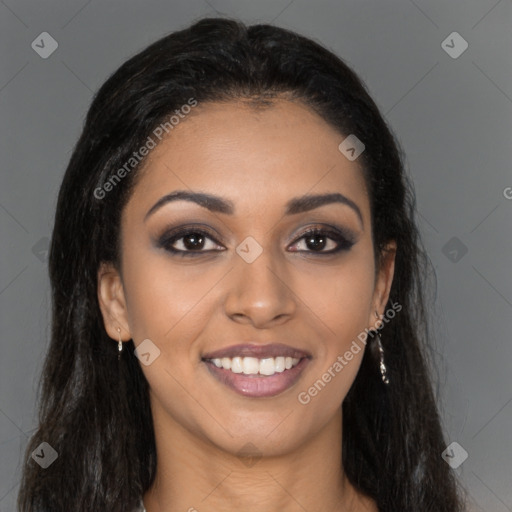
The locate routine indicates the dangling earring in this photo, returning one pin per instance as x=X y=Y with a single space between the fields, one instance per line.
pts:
x=119 y=344
x=383 y=369
x=382 y=366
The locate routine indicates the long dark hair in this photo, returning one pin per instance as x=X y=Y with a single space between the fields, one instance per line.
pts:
x=94 y=410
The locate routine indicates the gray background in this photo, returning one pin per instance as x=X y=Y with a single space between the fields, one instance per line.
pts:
x=453 y=117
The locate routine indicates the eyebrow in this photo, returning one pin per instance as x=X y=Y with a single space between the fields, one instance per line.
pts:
x=221 y=205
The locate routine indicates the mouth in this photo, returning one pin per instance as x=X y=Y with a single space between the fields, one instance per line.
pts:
x=257 y=370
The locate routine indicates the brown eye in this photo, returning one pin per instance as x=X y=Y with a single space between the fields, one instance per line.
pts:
x=188 y=242
x=317 y=240
x=193 y=241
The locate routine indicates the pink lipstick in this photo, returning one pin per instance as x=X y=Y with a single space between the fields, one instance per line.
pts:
x=257 y=370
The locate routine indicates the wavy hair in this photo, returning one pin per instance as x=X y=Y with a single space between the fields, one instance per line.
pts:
x=93 y=409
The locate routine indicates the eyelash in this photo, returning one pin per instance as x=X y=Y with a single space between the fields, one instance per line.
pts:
x=344 y=240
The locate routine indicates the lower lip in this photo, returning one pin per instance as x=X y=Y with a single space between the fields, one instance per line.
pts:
x=258 y=386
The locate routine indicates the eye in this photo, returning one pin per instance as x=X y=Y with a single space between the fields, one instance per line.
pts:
x=324 y=241
x=188 y=241
x=193 y=241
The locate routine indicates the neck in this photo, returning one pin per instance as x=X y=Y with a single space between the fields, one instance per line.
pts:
x=195 y=475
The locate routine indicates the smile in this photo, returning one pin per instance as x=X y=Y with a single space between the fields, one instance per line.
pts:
x=254 y=366
x=257 y=378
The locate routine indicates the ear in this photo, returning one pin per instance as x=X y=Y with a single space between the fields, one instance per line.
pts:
x=112 y=302
x=383 y=281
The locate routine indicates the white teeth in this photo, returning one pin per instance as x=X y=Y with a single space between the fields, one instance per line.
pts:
x=267 y=366
x=236 y=365
x=279 y=362
x=253 y=365
x=250 y=365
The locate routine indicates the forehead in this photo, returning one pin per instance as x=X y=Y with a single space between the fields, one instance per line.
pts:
x=252 y=155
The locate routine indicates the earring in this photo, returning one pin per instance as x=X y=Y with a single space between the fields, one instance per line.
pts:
x=382 y=366
x=383 y=369
x=119 y=344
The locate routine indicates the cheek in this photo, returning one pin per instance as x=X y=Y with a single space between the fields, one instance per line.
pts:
x=172 y=306
x=152 y=302
x=345 y=303
x=159 y=295
x=342 y=298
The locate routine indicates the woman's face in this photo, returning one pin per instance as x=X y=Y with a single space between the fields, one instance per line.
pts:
x=237 y=273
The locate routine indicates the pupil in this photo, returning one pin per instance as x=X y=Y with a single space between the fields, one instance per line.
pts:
x=195 y=240
x=314 y=239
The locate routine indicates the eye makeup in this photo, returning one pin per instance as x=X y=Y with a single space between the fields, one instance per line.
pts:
x=193 y=238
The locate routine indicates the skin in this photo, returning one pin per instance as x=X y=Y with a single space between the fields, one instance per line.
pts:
x=258 y=159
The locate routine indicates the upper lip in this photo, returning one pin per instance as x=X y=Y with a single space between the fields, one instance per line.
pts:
x=258 y=351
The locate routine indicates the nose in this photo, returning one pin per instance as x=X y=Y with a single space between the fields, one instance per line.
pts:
x=260 y=293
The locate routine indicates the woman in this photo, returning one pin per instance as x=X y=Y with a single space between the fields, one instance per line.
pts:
x=237 y=297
